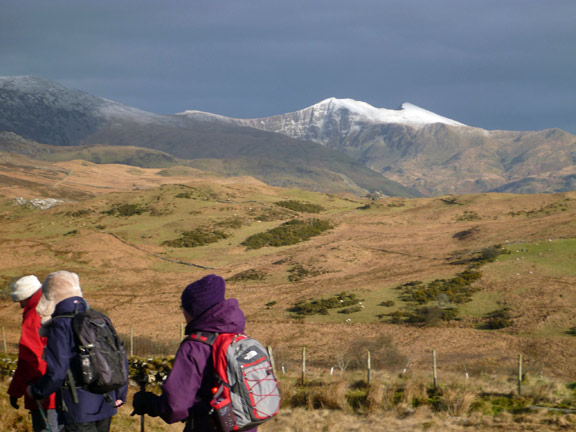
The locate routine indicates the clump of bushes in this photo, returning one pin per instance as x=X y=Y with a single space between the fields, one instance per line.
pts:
x=451 y=201
x=559 y=206
x=468 y=215
x=480 y=257
x=79 y=213
x=301 y=207
x=8 y=363
x=234 y=222
x=321 y=306
x=195 y=238
x=271 y=215
x=126 y=210
x=498 y=319
x=289 y=233
x=350 y=310
x=457 y=290
x=425 y=315
x=185 y=195
x=153 y=370
x=299 y=272
x=248 y=275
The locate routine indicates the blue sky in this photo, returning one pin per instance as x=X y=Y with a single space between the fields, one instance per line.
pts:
x=495 y=64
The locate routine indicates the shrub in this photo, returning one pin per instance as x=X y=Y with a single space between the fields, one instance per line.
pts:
x=301 y=206
x=126 y=210
x=231 y=223
x=387 y=303
x=195 y=238
x=186 y=195
x=288 y=233
x=320 y=307
x=299 y=272
x=455 y=290
x=350 y=310
x=365 y=207
x=79 y=213
x=468 y=215
x=251 y=274
x=498 y=319
x=451 y=201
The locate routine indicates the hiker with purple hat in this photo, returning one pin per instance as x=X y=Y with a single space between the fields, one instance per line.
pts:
x=187 y=392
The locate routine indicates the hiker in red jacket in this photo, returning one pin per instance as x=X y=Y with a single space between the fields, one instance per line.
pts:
x=31 y=366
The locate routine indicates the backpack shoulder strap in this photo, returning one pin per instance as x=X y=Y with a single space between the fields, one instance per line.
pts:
x=63 y=316
x=205 y=337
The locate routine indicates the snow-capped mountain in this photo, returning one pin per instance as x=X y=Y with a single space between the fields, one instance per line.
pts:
x=428 y=152
x=333 y=122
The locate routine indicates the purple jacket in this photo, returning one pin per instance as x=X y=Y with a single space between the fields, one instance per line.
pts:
x=186 y=391
x=61 y=353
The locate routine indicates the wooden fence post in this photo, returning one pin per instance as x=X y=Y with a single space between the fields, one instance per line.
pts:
x=4 y=339
x=434 y=369
x=519 y=374
x=303 y=364
x=368 y=368
x=271 y=354
x=131 y=341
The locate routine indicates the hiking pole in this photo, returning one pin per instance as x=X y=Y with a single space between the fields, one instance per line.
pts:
x=44 y=416
x=143 y=382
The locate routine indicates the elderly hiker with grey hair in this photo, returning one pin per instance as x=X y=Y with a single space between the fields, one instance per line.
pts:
x=31 y=366
x=186 y=393
x=78 y=409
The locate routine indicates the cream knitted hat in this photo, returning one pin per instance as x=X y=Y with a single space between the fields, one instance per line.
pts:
x=24 y=288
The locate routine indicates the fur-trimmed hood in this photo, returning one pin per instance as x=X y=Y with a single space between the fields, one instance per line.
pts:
x=57 y=286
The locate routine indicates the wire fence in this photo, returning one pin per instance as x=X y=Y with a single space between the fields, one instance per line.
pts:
x=305 y=364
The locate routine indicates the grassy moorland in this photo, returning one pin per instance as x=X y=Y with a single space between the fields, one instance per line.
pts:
x=479 y=279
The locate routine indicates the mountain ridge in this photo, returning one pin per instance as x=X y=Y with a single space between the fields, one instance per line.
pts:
x=49 y=113
x=375 y=148
x=433 y=154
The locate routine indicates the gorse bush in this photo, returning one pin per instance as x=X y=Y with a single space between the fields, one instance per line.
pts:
x=498 y=319
x=468 y=215
x=457 y=290
x=126 y=210
x=79 y=213
x=234 y=222
x=195 y=238
x=289 y=233
x=301 y=206
x=248 y=275
x=321 y=306
x=299 y=272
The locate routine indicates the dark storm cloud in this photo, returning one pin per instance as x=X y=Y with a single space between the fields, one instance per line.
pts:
x=493 y=64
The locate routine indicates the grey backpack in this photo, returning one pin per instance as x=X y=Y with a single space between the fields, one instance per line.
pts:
x=245 y=392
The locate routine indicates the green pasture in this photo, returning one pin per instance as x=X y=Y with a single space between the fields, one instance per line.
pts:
x=554 y=257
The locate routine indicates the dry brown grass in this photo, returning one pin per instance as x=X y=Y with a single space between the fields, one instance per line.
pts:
x=368 y=253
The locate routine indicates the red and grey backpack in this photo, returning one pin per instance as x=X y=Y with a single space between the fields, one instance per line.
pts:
x=245 y=392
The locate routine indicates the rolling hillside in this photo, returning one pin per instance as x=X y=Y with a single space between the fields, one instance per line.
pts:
x=119 y=228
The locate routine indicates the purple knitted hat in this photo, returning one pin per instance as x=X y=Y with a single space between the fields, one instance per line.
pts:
x=201 y=295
